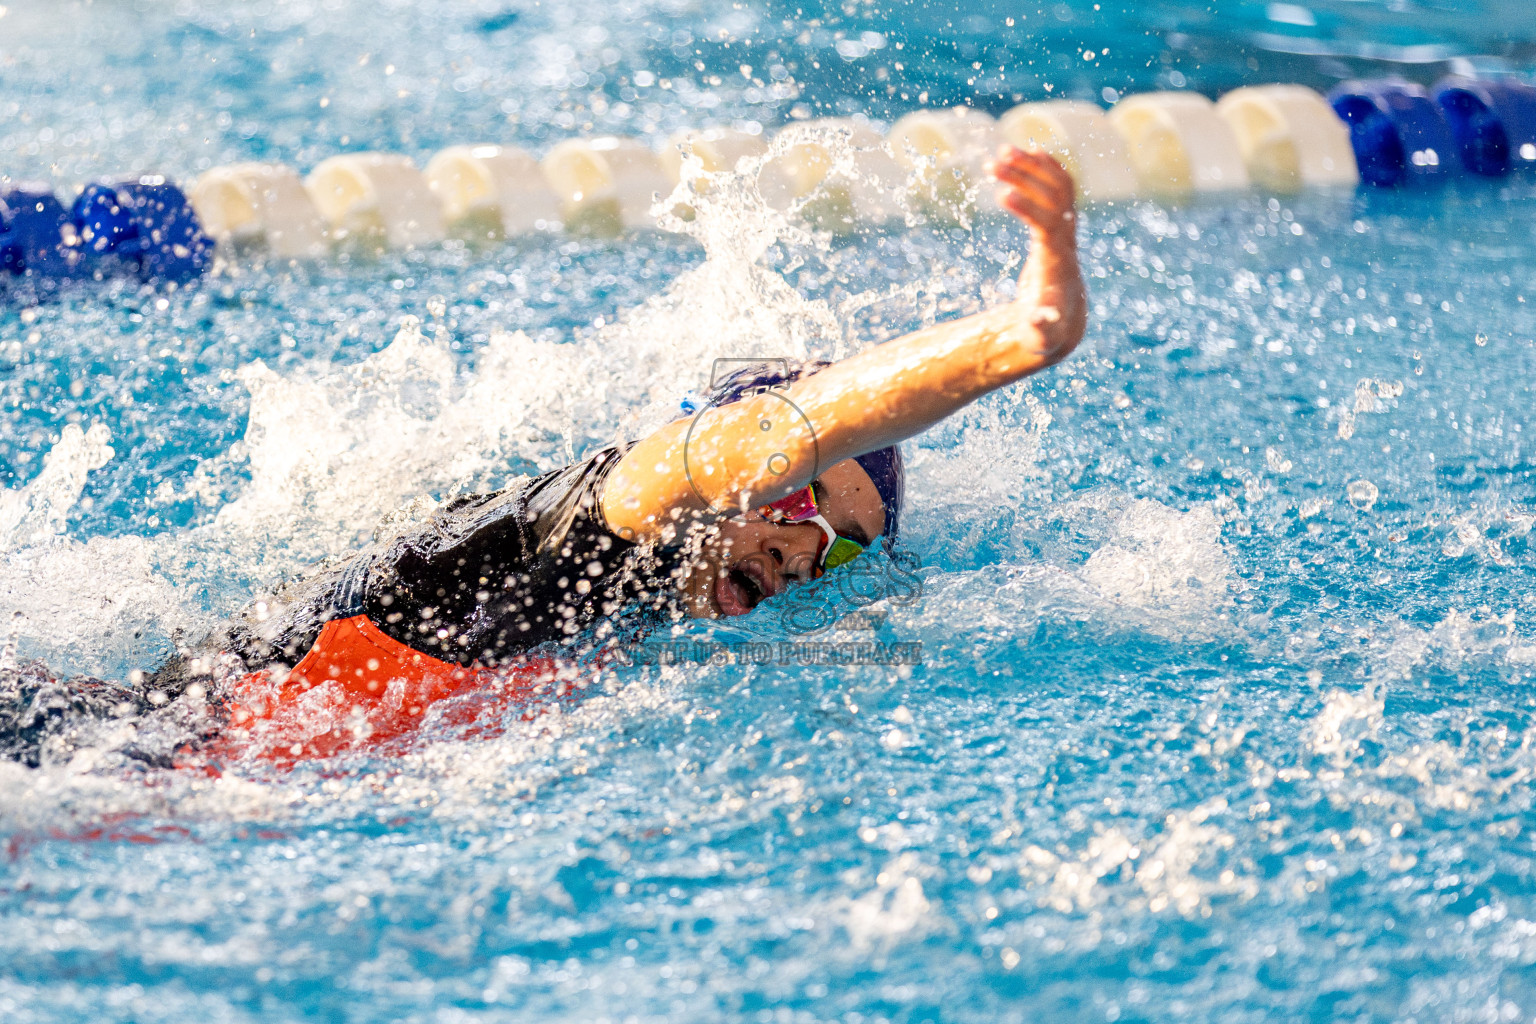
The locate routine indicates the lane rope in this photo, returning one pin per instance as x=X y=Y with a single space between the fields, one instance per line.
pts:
x=838 y=172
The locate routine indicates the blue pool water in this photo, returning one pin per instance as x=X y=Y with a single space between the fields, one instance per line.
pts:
x=1225 y=709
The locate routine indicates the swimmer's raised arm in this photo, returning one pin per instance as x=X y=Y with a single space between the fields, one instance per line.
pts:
x=755 y=451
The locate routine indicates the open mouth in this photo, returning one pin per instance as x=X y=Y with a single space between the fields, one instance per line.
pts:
x=737 y=592
x=748 y=583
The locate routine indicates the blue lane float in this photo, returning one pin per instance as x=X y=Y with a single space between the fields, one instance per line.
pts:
x=1398 y=133
x=37 y=242
x=146 y=225
x=138 y=227
x=1493 y=122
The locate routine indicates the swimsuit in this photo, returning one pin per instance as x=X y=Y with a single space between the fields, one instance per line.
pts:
x=497 y=595
x=359 y=688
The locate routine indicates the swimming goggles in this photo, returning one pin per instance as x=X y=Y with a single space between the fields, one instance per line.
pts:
x=801 y=507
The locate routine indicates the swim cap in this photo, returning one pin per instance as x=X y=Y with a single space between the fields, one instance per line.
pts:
x=883 y=465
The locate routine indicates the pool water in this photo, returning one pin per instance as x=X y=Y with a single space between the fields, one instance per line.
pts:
x=1225 y=704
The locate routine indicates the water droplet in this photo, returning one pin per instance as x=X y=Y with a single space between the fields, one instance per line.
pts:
x=1362 y=494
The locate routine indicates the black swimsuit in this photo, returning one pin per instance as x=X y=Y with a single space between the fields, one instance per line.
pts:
x=487 y=578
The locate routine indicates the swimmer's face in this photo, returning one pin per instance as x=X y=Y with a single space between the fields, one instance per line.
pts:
x=748 y=560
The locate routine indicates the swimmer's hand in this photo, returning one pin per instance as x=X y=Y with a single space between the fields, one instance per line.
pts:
x=1051 y=298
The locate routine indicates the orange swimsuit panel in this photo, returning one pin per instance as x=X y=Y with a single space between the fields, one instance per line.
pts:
x=358 y=688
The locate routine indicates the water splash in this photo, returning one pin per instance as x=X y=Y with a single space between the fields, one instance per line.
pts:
x=1161 y=561
x=1371 y=397
x=35 y=514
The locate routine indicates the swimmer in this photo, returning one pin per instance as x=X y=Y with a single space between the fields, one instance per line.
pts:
x=786 y=474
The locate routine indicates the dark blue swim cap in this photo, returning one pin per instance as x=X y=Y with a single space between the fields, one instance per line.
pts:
x=883 y=465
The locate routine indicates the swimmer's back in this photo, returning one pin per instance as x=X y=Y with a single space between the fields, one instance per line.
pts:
x=488 y=578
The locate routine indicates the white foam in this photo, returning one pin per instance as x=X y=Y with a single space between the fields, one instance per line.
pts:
x=1159 y=572
x=36 y=513
x=1161 y=560
x=1350 y=730
x=895 y=909
x=63 y=800
x=1175 y=867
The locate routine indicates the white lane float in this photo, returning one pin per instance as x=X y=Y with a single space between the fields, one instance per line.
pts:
x=838 y=172
x=489 y=192
x=945 y=152
x=719 y=150
x=1290 y=138
x=376 y=199
x=1081 y=138
x=606 y=184
x=1178 y=144
x=259 y=206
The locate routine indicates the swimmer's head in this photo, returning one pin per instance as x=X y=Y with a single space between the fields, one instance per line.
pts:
x=883 y=465
x=746 y=560
x=738 y=563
